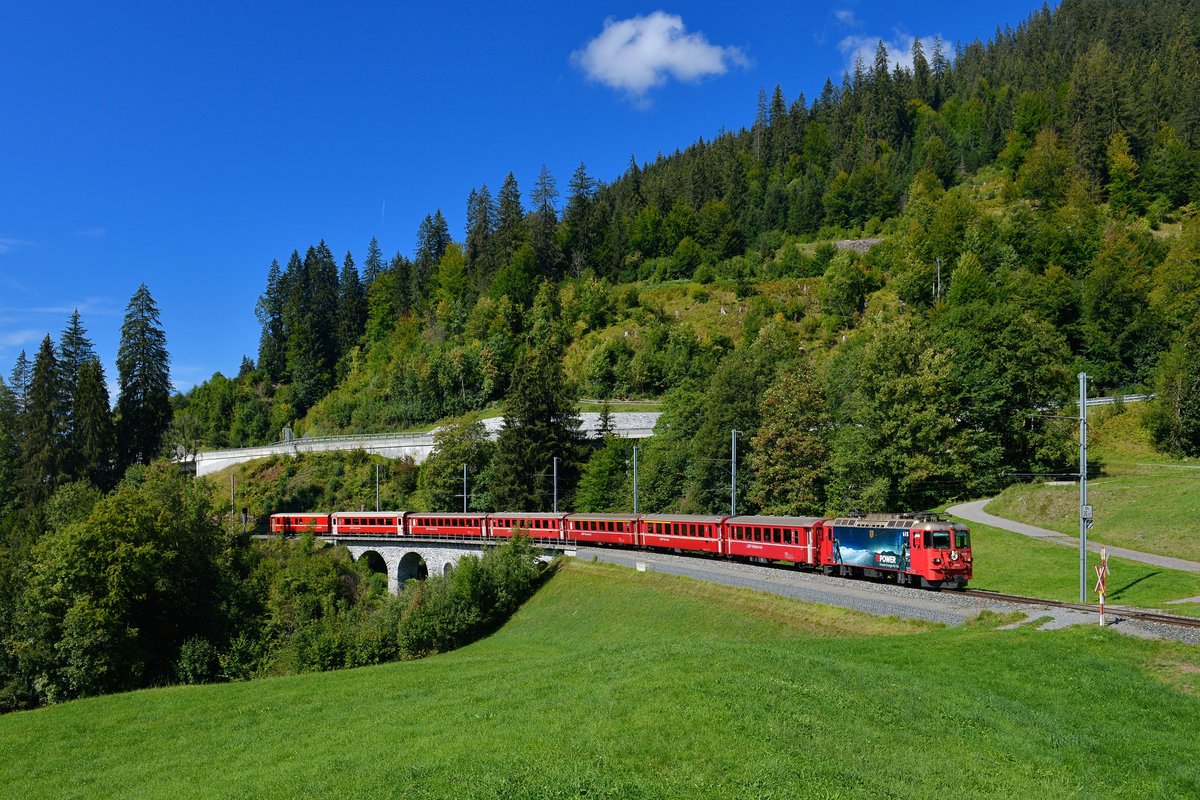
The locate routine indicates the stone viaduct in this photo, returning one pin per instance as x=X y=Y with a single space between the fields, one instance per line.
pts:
x=404 y=559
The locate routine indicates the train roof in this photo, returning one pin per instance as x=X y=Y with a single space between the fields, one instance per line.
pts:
x=923 y=522
x=527 y=515
x=369 y=513
x=703 y=518
x=795 y=522
x=448 y=514
x=614 y=517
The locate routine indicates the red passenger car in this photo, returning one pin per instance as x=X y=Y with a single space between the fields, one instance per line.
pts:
x=367 y=523
x=692 y=532
x=602 y=528
x=535 y=526
x=457 y=526
x=291 y=524
x=794 y=539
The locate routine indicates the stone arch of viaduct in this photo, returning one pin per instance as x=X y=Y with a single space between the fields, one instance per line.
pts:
x=402 y=559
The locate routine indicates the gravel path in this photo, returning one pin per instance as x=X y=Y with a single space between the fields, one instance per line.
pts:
x=973 y=512
x=879 y=599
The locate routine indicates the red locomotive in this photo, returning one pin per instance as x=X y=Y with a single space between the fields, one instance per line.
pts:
x=913 y=549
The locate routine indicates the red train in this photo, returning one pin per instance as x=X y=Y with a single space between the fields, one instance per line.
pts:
x=915 y=549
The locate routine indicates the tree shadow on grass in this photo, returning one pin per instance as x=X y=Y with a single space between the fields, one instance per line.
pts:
x=1115 y=593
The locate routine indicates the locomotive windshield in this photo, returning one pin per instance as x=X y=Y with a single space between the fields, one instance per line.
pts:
x=939 y=540
x=962 y=540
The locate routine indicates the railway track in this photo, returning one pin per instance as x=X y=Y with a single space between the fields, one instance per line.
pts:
x=1115 y=611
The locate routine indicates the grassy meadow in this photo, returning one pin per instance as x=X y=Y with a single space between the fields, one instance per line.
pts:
x=1015 y=564
x=1143 y=500
x=613 y=683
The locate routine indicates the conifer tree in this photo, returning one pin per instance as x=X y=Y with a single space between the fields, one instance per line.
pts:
x=75 y=350
x=510 y=221
x=144 y=381
x=373 y=266
x=540 y=423
x=42 y=429
x=94 y=437
x=544 y=229
x=272 y=346
x=19 y=382
x=9 y=449
x=352 y=308
x=481 y=224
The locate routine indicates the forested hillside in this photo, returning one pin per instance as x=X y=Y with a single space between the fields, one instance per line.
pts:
x=1032 y=203
x=887 y=290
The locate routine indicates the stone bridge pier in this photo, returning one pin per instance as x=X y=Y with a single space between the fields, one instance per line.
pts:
x=406 y=560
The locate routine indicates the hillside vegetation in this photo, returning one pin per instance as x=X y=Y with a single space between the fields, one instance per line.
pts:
x=1026 y=210
x=612 y=683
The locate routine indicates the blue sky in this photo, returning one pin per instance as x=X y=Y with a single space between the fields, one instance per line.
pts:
x=188 y=145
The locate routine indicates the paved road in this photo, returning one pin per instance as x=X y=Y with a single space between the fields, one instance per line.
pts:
x=973 y=512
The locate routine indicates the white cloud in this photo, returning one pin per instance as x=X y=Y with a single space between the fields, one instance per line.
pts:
x=845 y=16
x=899 y=49
x=15 y=338
x=8 y=245
x=635 y=55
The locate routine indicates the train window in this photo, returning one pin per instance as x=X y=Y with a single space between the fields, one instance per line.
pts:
x=961 y=539
x=939 y=540
x=787 y=536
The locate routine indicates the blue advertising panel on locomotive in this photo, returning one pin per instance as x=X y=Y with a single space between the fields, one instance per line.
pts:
x=873 y=548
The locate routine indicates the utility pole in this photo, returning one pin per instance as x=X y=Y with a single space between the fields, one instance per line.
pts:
x=1085 y=510
x=233 y=497
x=635 y=497
x=464 y=488
x=556 y=484
x=733 y=434
x=376 y=487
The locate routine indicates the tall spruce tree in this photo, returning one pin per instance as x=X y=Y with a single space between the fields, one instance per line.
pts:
x=373 y=266
x=94 y=440
x=544 y=228
x=481 y=224
x=18 y=381
x=42 y=429
x=540 y=423
x=9 y=449
x=75 y=350
x=272 y=344
x=144 y=381
x=352 y=308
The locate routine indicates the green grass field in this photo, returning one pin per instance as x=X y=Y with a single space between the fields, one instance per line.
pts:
x=1144 y=500
x=1015 y=564
x=613 y=683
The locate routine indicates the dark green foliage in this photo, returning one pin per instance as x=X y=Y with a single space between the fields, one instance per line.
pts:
x=789 y=453
x=606 y=480
x=540 y=422
x=458 y=444
x=41 y=428
x=111 y=598
x=1175 y=420
x=272 y=347
x=351 y=308
x=10 y=449
x=144 y=381
x=443 y=613
x=93 y=437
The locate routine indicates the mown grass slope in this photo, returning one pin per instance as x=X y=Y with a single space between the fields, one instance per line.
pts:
x=1144 y=500
x=612 y=683
x=1015 y=564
